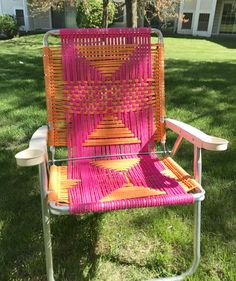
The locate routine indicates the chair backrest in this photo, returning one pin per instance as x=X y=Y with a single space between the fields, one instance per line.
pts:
x=105 y=91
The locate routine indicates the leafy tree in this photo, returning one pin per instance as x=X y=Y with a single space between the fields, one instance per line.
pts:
x=90 y=13
x=94 y=13
x=158 y=11
x=154 y=12
x=37 y=6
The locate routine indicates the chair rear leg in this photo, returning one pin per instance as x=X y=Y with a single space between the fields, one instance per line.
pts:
x=46 y=221
x=196 y=247
x=197 y=239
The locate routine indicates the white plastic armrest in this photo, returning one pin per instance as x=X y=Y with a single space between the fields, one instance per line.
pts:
x=196 y=137
x=36 y=153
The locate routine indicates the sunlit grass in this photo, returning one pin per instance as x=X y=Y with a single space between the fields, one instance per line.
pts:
x=125 y=245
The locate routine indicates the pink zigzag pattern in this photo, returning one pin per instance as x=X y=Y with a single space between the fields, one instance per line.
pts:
x=90 y=96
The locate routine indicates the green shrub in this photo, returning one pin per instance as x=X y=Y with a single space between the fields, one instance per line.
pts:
x=8 y=27
x=89 y=13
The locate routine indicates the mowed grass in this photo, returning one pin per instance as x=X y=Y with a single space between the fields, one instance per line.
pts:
x=125 y=245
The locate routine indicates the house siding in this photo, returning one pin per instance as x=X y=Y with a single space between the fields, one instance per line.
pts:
x=190 y=5
x=8 y=7
x=199 y=9
x=70 y=16
x=40 y=20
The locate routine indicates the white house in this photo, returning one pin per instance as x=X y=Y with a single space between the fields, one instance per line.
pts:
x=201 y=17
x=207 y=17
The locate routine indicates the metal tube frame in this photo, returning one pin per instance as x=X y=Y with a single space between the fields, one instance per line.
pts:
x=53 y=161
x=43 y=180
x=196 y=247
x=56 y=32
x=197 y=164
x=64 y=210
x=176 y=145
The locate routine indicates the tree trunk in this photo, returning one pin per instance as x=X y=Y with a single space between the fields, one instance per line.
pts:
x=141 y=12
x=131 y=13
x=105 y=13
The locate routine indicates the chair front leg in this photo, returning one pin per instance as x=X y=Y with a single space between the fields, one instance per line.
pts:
x=196 y=247
x=43 y=177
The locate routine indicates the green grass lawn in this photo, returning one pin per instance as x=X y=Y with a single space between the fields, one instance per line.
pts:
x=126 y=245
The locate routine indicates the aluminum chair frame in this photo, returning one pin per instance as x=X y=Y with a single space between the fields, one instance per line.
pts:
x=53 y=209
x=36 y=154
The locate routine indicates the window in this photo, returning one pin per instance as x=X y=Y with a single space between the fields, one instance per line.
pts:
x=203 y=22
x=228 y=21
x=187 y=21
x=20 y=17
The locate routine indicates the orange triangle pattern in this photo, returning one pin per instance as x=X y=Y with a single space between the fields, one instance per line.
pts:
x=129 y=191
x=107 y=59
x=119 y=165
x=111 y=131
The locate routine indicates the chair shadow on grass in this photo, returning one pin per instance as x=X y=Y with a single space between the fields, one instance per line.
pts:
x=74 y=238
x=74 y=246
x=22 y=94
x=21 y=243
x=204 y=90
x=23 y=74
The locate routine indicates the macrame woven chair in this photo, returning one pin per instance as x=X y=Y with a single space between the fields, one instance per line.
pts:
x=105 y=105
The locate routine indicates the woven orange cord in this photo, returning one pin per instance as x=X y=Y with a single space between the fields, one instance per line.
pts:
x=59 y=184
x=173 y=170
x=54 y=85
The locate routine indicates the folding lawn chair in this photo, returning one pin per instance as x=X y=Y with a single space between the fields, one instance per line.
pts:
x=105 y=105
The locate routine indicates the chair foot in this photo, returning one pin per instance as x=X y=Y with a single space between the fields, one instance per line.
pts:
x=196 y=247
x=46 y=222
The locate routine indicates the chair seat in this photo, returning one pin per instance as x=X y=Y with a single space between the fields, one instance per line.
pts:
x=97 y=185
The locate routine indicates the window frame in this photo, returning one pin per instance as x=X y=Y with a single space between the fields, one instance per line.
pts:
x=207 y=27
x=21 y=18
x=191 y=27
x=221 y=14
x=24 y=13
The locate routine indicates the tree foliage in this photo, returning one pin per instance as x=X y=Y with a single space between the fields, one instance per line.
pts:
x=37 y=6
x=165 y=9
x=151 y=12
x=90 y=13
x=158 y=11
x=155 y=12
x=8 y=27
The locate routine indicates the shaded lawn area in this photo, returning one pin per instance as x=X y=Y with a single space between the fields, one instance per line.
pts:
x=126 y=245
